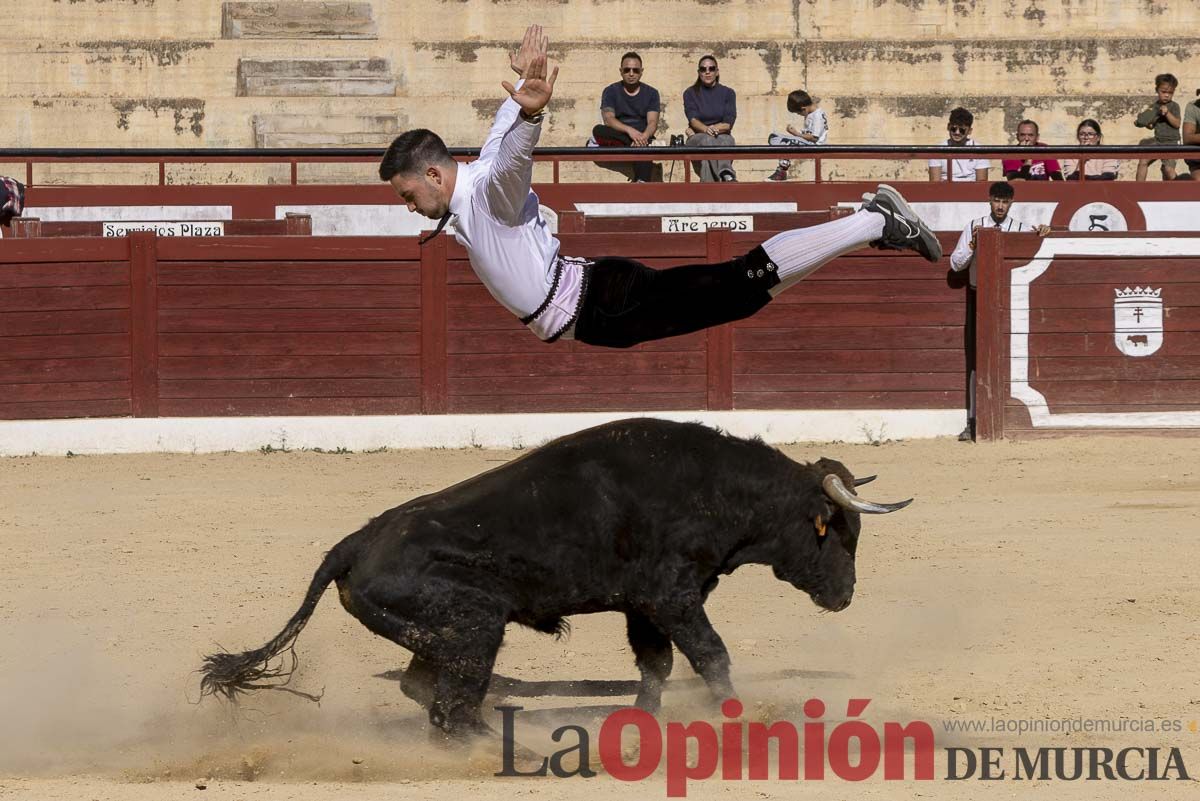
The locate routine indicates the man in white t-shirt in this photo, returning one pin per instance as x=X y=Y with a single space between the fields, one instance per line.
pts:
x=959 y=130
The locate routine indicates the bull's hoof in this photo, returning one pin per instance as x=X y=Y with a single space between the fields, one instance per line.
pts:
x=649 y=702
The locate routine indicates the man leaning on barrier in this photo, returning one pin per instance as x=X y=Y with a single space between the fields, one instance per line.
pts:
x=612 y=301
x=12 y=200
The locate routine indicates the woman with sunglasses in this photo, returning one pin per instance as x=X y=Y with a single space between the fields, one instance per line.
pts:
x=711 y=110
x=1087 y=133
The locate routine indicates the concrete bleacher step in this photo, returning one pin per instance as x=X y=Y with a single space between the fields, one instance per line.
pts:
x=298 y=20
x=311 y=77
x=347 y=130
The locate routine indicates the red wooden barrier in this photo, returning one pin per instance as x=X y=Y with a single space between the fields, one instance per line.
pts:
x=1089 y=333
x=379 y=325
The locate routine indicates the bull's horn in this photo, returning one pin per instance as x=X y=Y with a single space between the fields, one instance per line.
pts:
x=858 y=482
x=846 y=499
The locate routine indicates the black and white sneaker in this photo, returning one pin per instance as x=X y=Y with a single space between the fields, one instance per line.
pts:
x=902 y=228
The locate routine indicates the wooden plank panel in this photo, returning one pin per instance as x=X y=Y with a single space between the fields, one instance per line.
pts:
x=1089 y=270
x=477 y=404
x=521 y=340
x=854 y=315
x=289 y=367
x=65 y=391
x=217 y=407
x=106 y=321
x=576 y=384
x=54 y=274
x=65 y=298
x=63 y=251
x=866 y=338
x=845 y=361
x=1083 y=405
x=890 y=290
x=286 y=248
x=49 y=371
x=290 y=344
x=611 y=362
x=1067 y=368
x=288 y=297
x=1083 y=296
x=59 y=410
x=834 y=382
x=332 y=273
x=1183 y=318
x=195 y=321
x=492 y=317
x=1101 y=343
x=288 y=388
x=68 y=346
x=931 y=399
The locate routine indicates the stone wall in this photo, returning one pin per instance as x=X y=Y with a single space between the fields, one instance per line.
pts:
x=193 y=73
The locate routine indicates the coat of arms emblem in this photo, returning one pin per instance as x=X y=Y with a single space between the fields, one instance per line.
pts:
x=1138 y=320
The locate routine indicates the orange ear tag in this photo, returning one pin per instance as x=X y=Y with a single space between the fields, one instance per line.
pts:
x=820 y=525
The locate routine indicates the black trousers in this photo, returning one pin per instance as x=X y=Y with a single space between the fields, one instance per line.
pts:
x=626 y=302
x=969 y=348
x=611 y=137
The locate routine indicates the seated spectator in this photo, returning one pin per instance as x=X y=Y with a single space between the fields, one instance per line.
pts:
x=814 y=129
x=1162 y=117
x=711 y=110
x=1088 y=135
x=1031 y=169
x=630 y=111
x=1191 y=133
x=12 y=199
x=959 y=130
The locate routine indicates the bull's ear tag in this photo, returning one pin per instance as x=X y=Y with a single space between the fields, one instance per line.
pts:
x=820 y=526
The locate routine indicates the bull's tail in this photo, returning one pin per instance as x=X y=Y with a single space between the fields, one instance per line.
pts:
x=228 y=675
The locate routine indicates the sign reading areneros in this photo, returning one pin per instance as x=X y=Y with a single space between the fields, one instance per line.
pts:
x=164 y=228
x=693 y=224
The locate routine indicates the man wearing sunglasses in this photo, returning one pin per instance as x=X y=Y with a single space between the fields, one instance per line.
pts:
x=959 y=129
x=630 y=112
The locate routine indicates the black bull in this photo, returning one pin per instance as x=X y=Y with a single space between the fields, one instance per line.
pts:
x=639 y=516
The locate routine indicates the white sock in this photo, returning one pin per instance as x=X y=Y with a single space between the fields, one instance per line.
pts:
x=800 y=251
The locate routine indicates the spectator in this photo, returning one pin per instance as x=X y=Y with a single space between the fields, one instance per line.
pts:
x=1088 y=134
x=1163 y=118
x=1191 y=133
x=959 y=130
x=1031 y=169
x=1000 y=198
x=815 y=130
x=711 y=110
x=630 y=112
x=12 y=199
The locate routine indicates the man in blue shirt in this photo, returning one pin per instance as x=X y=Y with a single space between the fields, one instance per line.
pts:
x=630 y=112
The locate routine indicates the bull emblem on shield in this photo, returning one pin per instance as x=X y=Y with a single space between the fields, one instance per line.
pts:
x=1138 y=320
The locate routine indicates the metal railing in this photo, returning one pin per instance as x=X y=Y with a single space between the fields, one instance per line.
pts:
x=557 y=155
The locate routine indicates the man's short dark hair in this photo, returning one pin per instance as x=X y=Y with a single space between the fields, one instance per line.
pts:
x=1036 y=129
x=960 y=116
x=413 y=151
x=1166 y=78
x=1001 y=190
x=632 y=55
x=797 y=100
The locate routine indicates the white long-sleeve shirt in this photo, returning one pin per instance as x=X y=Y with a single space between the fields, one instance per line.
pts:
x=510 y=246
x=963 y=257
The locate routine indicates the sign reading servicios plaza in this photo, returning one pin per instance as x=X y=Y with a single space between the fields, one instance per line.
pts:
x=164 y=228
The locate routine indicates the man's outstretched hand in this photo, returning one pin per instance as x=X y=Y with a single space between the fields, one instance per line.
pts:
x=530 y=62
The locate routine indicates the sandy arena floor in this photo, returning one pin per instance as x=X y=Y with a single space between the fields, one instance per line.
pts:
x=1055 y=579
